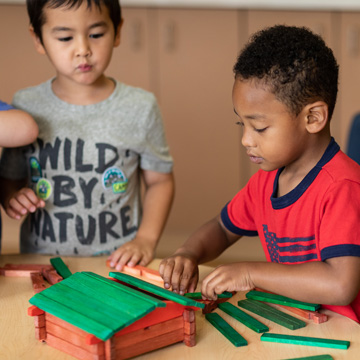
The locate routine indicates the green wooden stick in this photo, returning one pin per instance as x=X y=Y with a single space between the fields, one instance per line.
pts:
x=228 y=331
x=156 y=290
x=282 y=300
x=316 y=357
x=60 y=267
x=305 y=340
x=243 y=317
x=198 y=296
x=272 y=314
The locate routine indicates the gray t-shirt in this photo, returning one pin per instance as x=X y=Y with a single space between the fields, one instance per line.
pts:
x=86 y=165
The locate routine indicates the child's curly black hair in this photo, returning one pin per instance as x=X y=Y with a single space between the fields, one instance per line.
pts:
x=295 y=63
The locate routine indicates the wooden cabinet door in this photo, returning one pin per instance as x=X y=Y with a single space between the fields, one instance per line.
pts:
x=197 y=50
x=349 y=72
x=131 y=61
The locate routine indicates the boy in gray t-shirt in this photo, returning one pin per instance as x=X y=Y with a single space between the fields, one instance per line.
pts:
x=97 y=139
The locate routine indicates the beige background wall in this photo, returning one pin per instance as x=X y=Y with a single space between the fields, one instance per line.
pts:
x=185 y=56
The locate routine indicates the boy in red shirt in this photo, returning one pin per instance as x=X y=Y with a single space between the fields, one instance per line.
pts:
x=303 y=203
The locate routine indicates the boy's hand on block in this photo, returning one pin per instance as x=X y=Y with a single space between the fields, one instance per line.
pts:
x=136 y=252
x=23 y=202
x=180 y=272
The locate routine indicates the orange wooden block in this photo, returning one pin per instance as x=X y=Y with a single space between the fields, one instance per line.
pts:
x=39 y=321
x=149 y=344
x=74 y=338
x=189 y=328
x=51 y=276
x=40 y=333
x=71 y=349
x=64 y=324
x=190 y=340
x=38 y=282
x=189 y=315
x=35 y=267
x=110 y=352
x=16 y=273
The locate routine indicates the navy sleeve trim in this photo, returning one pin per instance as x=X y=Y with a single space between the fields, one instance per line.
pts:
x=231 y=227
x=340 y=250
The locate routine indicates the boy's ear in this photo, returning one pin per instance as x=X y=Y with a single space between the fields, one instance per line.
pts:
x=118 y=34
x=316 y=116
x=39 y=47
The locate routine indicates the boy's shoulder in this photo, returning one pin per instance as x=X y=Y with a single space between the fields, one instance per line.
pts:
x=132 y=92
x=341 y=167
x=32 y=93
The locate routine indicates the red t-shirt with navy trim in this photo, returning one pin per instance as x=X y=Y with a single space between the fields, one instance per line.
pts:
x=317 y=220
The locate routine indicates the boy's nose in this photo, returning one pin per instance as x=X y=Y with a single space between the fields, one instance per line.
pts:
x=83 y=48
x=246 y=138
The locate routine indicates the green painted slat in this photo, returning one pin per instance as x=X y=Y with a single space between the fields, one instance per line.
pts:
x=111 y=317
x=315 y=357
x=228 y=331
x=156 y=290
x=89 y=307
x=73 y=317
x=100 y=288
x=282 y=300
x=198 y=296
x=243 y=317
x=305 y=340
x=60 y=267
x=272 y=314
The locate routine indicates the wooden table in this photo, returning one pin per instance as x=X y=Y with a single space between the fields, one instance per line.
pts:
x=17 y=341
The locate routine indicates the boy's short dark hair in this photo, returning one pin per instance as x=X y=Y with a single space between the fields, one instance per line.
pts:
x=295 y=63
x=36 y=14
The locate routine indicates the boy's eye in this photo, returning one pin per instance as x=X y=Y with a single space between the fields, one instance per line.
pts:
x=64 y=39
x=96 y=36
x=260 y=130
x=239 y=123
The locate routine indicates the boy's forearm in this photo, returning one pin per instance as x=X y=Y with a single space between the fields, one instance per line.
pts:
x=333 y=282
x=157 y=203
x=207 y=242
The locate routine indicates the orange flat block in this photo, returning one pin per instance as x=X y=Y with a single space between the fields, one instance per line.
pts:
x=150 y=344
x=151 y=332
x=35 y=267
x=74 y=338
x=38 y=282
x=318 y=318
x=159 y=315
x=35 y=311
x=16 y=273
x=71 y=349
x=135 y=270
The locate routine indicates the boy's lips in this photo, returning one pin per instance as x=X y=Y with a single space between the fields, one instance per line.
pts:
x=84 y=67
x=255 y=159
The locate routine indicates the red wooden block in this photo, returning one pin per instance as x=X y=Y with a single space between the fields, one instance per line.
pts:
x=15 y=273
x=71 y=349
x=35 y=267
x=190 y=340
x=91 y=339
x=40 y=333
x=189 y=328
x=51 y=276
x=38 y=282
x=150 y=344
x=159 y=315
x=74 y=338
x=110 y=352
x=64 y=324
x=35 y=311
x=189 y=315
x=39 y=321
